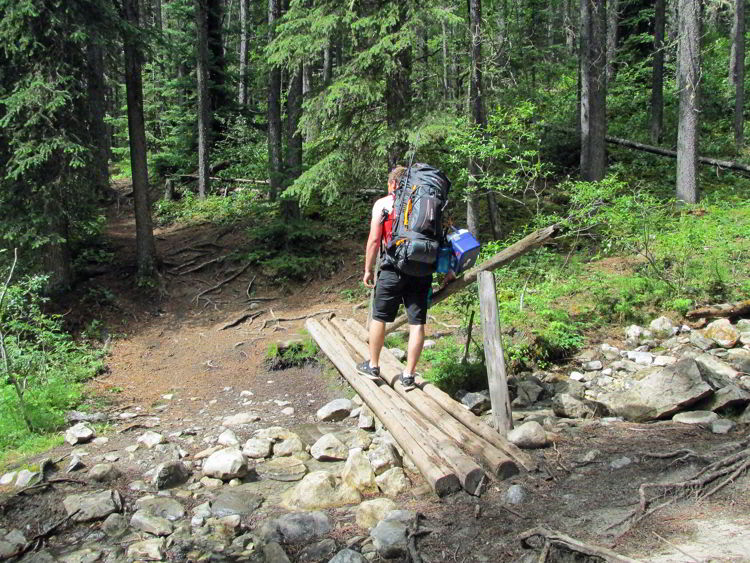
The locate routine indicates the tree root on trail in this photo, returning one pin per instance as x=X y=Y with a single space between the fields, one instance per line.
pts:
x=555 y=544
x=222 y=283
x=277 y=320
x=251 y=316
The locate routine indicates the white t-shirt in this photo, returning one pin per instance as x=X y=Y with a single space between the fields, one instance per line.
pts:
x=383 y=204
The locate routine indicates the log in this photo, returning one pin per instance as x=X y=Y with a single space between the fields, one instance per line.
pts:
x=498 y=260
x=493 y=352
x=231 y=180
x=497 y=461
x=440 y=478
x=725 y=310
x=457 y=411
x=468 y=472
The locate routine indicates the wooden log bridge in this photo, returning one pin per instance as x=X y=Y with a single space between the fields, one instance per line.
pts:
x=451 y=447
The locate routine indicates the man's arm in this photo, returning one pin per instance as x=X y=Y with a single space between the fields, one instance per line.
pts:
x=373 y=242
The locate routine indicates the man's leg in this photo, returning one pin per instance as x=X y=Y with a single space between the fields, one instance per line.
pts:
x=377 y=338
x=416 y=343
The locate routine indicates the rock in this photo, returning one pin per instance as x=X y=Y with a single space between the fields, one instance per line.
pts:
x=529 y=435
x=203 y=454
x=150 y=439
x=626 y=365
x=633 y=335
x=478 y=403
x=663 y=328
x=383 y=458
x=79 y=434
x=515 y=494
x=660 y=392
x=609 y=352
x=336 y=410
x=115 y=525
x=92 y=506
x=739 y=359
x=641 y=358
x=211 y=483
x=274 y=553
x=329 y=448
x=695 y=417
x=429 y=343
x=240 y=500
x=288 y=411
x=318 y=490
x=257 y=448
x=282 y=469
x=722 y=332
x=664 y=360
x=593 y=365
x=699 y=341
x=321 y=551
x=103 y=472
x=273 y=433
x=370 y=512
x=303 y=527
x=389 y=539
x=577 y=376
x=240 y=418
x=28 y=478
x=8 y=478
x=527 y=393
x=360 y=439
x=348 y=556
x=154 y=525
x=366 y=419
x=170 y=474
x=727 y=397
x=289 y=446
x=147 y=550
x=165 y=507
x=722 y=426
x=358 y=472
x=715 y=371
x=620 y=462
x=567 y=406
x=398 y=353
x=228 y=438
x=393 y=482
x=225 y=464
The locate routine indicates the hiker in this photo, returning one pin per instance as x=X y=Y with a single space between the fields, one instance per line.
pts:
x=393 y=288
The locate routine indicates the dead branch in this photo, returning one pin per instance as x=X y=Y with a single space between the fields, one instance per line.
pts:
x=557 y=540
x=725 y=310
x=250 y=286
x=242 y=318
x=414 y=532
x=221 y=284
x=288 y=319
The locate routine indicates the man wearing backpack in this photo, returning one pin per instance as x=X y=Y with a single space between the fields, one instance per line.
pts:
x=405 y=274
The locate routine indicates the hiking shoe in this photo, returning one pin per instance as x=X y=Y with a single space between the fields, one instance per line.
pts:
x=368 y=371
x=407 y=381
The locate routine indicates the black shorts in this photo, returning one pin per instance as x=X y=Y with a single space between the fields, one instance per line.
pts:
x=394 y=288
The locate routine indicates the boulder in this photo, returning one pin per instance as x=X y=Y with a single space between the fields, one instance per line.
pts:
x=257 y=448
x=228 y=438
x=103 y=472
x=370 y=512
x=165 y=507
x=722 y=332
x=393 y=482
x=609 y=352
x=592 y=365
x=478 y=403
x=729 y=397
x=722 y=426
x=289 y=446
x=641 y=358
x=699 y=341
x=739 y=359
x=389 y=538
x=527 y=393
x=515 y=494
x=154 y=525
x=318 y=490
x=92 y=506
x=358 y=472
x=695 y=417
x=282 y=469
x=242 y=500
x=303 y=527
x=225 y=464
x=8 y=478
x=383 y=458
x=663 y=328
x=529 y=435
x=336 y=410
x=715 y=371
x=321 y=551
x=567 y=406
x=79 y=434
x=659 y=392
x=329 y=448
x=150 y=439
x=240 y=418
x=366 y=419
x=274 y=553
x=147 y=550
x=170 y=474
x=27 y=478
x=348 y=556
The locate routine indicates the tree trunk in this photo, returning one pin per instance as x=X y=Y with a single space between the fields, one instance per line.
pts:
x=274 y=109
x=612 y=17
x=476 y=107
x=97 y=104
x=738 y=72
x=307 y=79
x=327 y=64
x=688 y=76
x=593 y=89
x=144 y=234
x=290 y=207
x=56 y=258
x=657 y=77
x=204 y=111
x=242 y=96
x=398 y=98
x=217 y=64
x=156 y=8
x=446 y=80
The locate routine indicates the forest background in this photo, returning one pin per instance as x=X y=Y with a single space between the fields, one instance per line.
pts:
x=282 y=118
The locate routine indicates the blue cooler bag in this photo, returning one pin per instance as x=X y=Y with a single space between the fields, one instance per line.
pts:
x=465 y=249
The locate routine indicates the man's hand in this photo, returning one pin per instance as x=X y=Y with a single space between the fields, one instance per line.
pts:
x=449 y=277
x=369 y=279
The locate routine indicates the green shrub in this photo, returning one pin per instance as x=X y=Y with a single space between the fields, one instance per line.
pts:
x=296 y=355
x=449 y=373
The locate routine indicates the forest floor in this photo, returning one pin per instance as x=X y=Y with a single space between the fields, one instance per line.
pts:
x=164 y=342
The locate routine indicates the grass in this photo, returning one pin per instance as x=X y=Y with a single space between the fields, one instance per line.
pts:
x=11 y=457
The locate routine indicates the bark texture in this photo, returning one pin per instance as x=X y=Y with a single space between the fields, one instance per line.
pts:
x=204 y=110
x=476 y=107
x=737 y=74
x=593 y=89
x=242 y=94
x=688 y=77
x=97 y=104
x=656 y=117
x=274 y=108
x=398 y=98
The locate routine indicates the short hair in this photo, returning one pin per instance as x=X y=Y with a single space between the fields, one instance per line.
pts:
x=396 y=174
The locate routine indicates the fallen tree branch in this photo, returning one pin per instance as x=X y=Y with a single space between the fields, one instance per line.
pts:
x=31 y=544
x=725 y=310
x=560 y=542
x=242 y=318
x=222 y=283
x=287 y=319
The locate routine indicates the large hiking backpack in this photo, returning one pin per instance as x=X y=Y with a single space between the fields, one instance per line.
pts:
x=417 y=228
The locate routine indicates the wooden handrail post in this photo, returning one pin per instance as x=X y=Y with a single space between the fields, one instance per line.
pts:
x=493 y=353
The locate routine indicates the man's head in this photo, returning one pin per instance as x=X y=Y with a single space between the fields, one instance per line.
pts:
x=394 y=178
